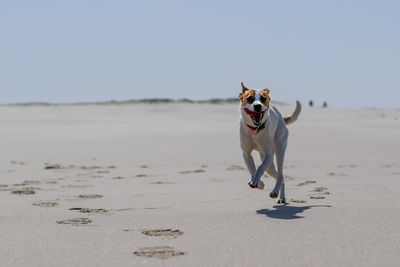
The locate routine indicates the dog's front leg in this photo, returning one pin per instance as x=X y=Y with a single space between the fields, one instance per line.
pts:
x=248 y=159
x=261 y=169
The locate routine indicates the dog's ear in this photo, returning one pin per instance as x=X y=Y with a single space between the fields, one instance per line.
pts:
x=266 y=90
x=244 y=89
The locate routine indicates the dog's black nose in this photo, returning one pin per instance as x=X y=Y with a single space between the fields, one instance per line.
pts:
x=257 y=107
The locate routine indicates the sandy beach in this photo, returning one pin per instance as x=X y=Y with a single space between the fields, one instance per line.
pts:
x=166 y=185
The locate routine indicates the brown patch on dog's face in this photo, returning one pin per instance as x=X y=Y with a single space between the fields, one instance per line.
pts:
x=264 y=97
x=248 y=97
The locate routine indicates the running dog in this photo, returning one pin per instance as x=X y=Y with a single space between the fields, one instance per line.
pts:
x=262 y=128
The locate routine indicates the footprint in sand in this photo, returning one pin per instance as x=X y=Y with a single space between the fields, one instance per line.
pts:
x=45 y=204
x=92 y=211
x=161 y=182
x=306 y=183
x=88 y=196
x=288 y=178
x=317 y=197
x=27 y=182
x=24 y=191
x=163 y=233
x=86 y=167
x=18 y=162
x=156 y=208
x=52 y=166
x=347 y=166
x=235 y=168
x=194 y=171
x=140 y=175
x=49 y=166
x=76 y=221
x=84 y=174
x=162 y=252
x=96 y=176
x=76 y=186
x=297 y=201
x=144 y=166
x=125 y=209
x=389 y=165
x=336 y=174
x=4 y=187
x=320 y=189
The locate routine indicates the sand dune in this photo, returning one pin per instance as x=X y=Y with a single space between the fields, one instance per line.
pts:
x=165 y=185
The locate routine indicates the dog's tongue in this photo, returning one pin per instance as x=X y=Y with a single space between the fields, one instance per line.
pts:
x=251 y=113
x=256 y=116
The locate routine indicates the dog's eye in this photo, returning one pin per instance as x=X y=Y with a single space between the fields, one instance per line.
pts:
x=250 y=99
x=262 y=99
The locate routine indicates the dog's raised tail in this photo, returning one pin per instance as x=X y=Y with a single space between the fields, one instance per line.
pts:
x=295 y=115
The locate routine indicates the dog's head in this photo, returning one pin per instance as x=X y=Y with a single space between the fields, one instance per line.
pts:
x=254 y=104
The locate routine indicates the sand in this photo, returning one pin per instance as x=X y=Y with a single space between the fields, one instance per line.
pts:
x=165 y=185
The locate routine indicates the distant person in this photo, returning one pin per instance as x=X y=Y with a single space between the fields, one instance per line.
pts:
x=311 y=103
x=325 y=105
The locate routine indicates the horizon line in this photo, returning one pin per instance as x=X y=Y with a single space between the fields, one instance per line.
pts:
x=131 y=101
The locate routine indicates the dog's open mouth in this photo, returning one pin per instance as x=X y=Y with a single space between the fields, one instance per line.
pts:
x=255 y=116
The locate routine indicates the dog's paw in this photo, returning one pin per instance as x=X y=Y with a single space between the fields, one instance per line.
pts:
x=259 y=185
x=273 y=195
x=254 y=182
x=252 y=185
x=282 y=201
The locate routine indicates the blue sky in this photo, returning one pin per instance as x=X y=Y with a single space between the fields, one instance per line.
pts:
x=342 y=52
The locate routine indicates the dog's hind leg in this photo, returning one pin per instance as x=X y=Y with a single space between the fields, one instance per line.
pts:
x=280 y=184
x=272 y=172
x=282 y=197
x=271 y=169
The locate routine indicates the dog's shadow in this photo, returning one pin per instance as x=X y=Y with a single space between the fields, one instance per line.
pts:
x=286 y=212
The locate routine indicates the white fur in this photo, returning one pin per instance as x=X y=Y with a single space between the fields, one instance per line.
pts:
x=270 y=141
